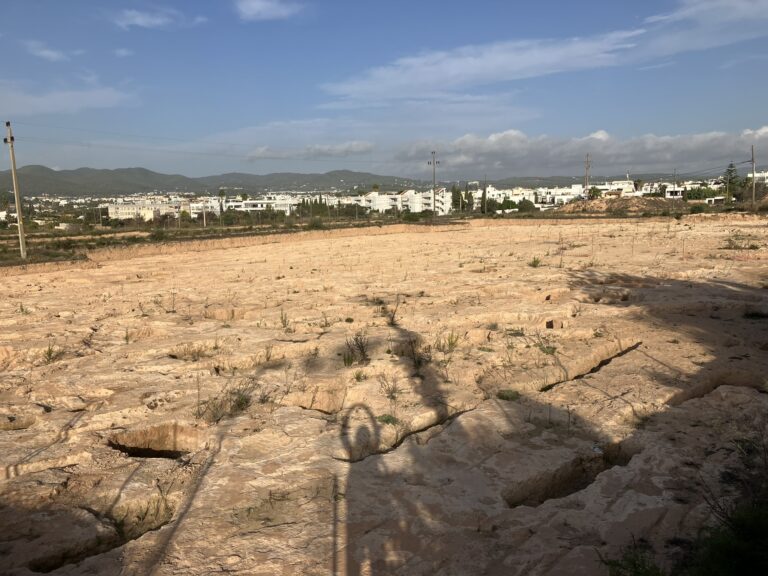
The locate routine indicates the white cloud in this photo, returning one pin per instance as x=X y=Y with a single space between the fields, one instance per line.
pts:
x=512 y=152
x=40 y=50
x=342 y=150
x=757 y=134
x=159 y=18
x=712 y=10
x=486 y=64
x=17 y=101
x=123 y=52
x=313 y=151
x=600 y=135
x=139 y=19
x=694 y=25
x=253 y=10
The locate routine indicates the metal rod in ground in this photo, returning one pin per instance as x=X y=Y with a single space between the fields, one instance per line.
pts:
x=17 y=195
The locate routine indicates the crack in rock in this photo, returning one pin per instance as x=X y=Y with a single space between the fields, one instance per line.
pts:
x=600 y=365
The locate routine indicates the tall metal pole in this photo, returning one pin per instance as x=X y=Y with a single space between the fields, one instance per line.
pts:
x=434 y=162
x=753 y=176
x=19 y=216
x=587 y=166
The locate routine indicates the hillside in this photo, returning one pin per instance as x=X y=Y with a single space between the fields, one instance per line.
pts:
x=36 y=180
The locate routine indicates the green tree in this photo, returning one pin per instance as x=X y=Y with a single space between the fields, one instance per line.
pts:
x=484 y=202
x=526 y=205
x=731 y=180
x=594 y=193
x=456 y=199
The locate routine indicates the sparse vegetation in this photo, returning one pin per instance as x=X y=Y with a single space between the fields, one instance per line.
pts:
x=234 y=399
x=358 y=347
x=388 y=419
x=534 y=262
x=285 y=322
x=190 y=352
x=508 y=395
x=740 y=241
x=52 y=353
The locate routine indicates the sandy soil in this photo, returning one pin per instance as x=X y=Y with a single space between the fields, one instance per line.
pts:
x=493 y=398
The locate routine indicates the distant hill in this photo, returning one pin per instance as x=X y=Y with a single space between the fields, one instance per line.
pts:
x=37 y=180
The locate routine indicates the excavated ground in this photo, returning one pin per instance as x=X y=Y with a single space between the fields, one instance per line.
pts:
x=493 y=398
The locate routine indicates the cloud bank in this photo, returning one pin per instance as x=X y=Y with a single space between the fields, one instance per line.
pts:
x=514 y=153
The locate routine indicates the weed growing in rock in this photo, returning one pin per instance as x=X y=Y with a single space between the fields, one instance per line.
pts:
x=447 y=344
x=414 y=348
x=534 y=262
x=388 y=419
x=52 y=353
x=508 y=395
x=390 y=388
x=391 y=313
x=233 y=400
x=358 y=347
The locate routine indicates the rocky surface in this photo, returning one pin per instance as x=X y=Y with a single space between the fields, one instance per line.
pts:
x=493 y=398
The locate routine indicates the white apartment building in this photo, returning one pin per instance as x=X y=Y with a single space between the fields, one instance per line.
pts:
x=619 y=188
x=130 y=211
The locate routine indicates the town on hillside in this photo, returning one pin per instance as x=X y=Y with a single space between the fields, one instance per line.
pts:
x=474 y=196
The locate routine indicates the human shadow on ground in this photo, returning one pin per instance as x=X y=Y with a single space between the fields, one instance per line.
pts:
x=435 y=503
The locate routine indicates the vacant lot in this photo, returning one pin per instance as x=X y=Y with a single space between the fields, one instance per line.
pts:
x=493 y=398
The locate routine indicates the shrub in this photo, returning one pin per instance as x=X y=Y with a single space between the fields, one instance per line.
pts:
x=535 y=262
x=508 y=395
x=315 y=224
x=388 y=419
x=230 y=402
x=358 y=346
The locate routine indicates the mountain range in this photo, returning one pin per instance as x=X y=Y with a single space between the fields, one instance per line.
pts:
x=38 y=180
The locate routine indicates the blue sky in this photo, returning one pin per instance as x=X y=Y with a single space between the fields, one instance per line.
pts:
x=496 y=87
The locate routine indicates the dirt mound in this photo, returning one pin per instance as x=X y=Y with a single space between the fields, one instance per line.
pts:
x=622 y=205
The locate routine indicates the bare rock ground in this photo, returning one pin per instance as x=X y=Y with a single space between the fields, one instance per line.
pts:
x=494 y=398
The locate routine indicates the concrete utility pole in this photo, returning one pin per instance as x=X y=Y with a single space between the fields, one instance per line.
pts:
x=434 y=162
x=753 y=177
x=587 y=166
x=19 y=216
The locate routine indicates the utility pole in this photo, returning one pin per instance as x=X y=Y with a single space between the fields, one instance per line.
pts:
x=434 y=162
x=19 y=216
x=753 y=177
x=587 y=166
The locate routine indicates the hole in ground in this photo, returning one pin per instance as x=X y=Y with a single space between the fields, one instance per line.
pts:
x=569 y=478
x=168 y=440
